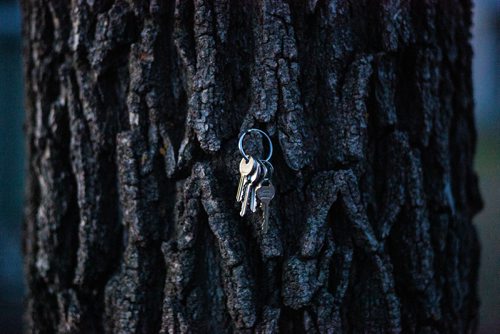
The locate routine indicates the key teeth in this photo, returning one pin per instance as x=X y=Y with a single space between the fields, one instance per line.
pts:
x=243 y=209
x=245 y=203
x=240 y=188
x=253 y=200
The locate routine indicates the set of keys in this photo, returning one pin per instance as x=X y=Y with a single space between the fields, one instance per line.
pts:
x=255 y=188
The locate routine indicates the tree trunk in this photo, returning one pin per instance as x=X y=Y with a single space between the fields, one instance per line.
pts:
x=134 y=110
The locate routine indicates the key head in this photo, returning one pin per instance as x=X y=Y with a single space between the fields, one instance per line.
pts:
x=247 y=166
x=255 y=174
x=263 y=171
x=265 y=191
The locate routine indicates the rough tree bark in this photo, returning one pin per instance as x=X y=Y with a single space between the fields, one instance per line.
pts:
x=133 y=113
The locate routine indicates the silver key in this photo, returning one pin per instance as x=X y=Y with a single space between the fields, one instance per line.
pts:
x=251 y=181
x=253 y=196
x=246 y=168
x=265 y=193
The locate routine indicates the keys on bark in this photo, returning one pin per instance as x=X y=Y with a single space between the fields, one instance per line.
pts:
x=265 y=193
x=255 y=187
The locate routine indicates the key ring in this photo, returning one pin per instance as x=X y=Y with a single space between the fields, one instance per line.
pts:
x=262 y=133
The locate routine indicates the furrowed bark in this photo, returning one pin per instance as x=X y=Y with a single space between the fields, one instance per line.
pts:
x=134 y=110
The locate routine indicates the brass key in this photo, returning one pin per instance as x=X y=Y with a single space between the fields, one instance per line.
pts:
x=246 y=168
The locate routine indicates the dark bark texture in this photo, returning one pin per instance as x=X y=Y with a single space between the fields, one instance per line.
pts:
x=134 y=109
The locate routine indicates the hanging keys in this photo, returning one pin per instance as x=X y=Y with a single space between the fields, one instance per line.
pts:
x=255 y=188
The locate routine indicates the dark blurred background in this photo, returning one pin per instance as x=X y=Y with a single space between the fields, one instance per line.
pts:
x=486 y=67
x=11 y=168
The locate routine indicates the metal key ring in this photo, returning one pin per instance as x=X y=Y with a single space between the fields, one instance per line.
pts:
x=262 y=133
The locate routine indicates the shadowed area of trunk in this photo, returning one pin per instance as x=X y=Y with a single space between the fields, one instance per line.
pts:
x=134 y=109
